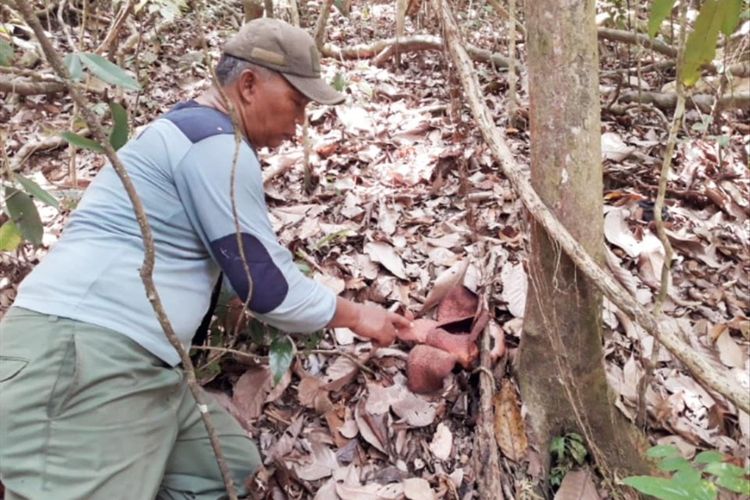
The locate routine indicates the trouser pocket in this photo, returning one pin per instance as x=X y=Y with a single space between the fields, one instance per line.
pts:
x=10 y=366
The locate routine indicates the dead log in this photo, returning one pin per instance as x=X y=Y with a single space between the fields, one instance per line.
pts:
x=637 y=39
x=24 y=87
x=701 y=368
x=408 y=44
x=704 y=102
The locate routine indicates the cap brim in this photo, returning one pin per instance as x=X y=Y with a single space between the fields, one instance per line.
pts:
x=315 y=89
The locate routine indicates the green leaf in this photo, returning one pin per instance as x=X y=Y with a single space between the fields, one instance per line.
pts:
x=107 y=71
x=663 y=451
x=701 y=43
x=735 y=484
x=339 y=83
x=10 y=237
x=24 y=214
x=660 y=9
x=36 y=191
x=673 y=464
x=707 y=457
x=82 y=142
x=659 y=487
x=118 y=137
x=280 y=356
x=578 y=451
x=6 y=52
x=724 y=469
x=73 y=62
x=732 y=10
x=557 y=447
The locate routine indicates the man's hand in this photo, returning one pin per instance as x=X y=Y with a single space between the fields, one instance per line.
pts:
x=378 y=324
x=368 y=320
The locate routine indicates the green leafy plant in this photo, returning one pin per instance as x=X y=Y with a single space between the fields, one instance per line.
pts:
x=699 y=480
x=715 y=16
x=23 y=221
x=568 y=452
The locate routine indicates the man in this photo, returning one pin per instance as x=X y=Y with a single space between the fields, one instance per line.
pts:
x=93 y=402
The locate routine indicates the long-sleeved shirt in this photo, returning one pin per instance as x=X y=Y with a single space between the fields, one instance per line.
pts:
x=181 y=166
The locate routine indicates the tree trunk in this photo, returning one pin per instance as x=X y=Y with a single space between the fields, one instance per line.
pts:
x=561 y=369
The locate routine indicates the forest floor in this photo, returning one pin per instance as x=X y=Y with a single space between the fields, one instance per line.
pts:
x=404 y=191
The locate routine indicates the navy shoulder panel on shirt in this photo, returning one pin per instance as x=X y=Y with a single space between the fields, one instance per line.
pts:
x=198 y=122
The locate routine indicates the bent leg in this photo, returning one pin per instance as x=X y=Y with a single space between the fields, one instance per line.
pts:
x=192 y=471
x=91 y=414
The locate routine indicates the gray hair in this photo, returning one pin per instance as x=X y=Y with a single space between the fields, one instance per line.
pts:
x=229 y=68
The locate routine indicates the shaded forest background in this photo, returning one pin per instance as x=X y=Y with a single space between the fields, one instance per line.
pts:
x=395 y=197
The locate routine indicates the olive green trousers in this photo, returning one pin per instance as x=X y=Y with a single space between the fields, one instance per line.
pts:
x=86 y=413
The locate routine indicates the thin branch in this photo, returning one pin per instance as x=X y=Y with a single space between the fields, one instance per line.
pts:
x=408 y=44
x=146 y=271
x=24 y=87
x=698 y=366
x=320 y=25
x=109 y=40
x=637 y=39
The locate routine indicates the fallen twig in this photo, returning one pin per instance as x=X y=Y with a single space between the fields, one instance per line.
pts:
x=704 y=102
x=637 y=39
x=408 y=44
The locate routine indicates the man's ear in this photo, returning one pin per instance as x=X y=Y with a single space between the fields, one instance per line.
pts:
x=247 y=85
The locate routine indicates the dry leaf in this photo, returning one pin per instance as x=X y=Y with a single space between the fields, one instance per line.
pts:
x=515 y=286
x=577 y=485
x=613 y=147
x=364 y=421
x=442 y=442
x=510 y=431
x=453 y=276
x=617 y=232
x=386 y=255
x=729 y=352
x=323 y=463
x=251 y=390
x=340 y=373
x=416 y=488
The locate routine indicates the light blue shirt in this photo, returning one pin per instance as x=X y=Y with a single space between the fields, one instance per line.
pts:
x=181 y=166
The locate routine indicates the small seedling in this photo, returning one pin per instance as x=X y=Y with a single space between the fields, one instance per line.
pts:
x=700 y=480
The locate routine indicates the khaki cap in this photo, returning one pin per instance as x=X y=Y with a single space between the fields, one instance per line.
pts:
x=281 y=47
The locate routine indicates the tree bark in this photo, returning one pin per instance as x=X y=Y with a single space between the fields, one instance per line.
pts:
x=561 y=365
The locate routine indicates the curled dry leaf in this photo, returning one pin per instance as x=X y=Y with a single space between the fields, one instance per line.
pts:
x=340 y=373
x=442 y=442
x=515 y=287
x=416 y=488
x=453 y=276
x=322 y=463
x=730 y=353
x=577 y=485
x=510 y=431
x=614 y=148
x=386 y=255
x=251 y=390
x=370 y=428
x=617 y=232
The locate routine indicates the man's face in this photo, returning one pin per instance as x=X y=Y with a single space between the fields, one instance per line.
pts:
x=270 y=108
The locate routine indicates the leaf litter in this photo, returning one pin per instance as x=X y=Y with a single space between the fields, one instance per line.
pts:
x=387 y=222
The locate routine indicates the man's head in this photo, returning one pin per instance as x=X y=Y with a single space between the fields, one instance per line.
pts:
x=271 y=70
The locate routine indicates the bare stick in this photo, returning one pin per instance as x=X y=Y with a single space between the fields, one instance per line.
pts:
x=696 y=364
x=666 y=168
x=114 y=30
x=512 y=104
x=146 y=271
x=320 y=26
